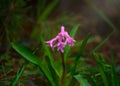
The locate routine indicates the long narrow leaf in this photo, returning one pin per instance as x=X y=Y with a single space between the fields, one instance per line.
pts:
x=55 y=77
x=47 y=50
x=101 y=44
x=72 y=34
x=19 y=74
x=47 y=10
x=102 y=15
x=52 y=62
x=101 y=69
x=74 y=30
x=113 y=72
x=82 y=47
x=95 y=80
x=81 y=80
x=27 y=54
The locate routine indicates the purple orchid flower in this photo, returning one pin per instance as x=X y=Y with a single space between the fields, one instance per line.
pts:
x=61 y=40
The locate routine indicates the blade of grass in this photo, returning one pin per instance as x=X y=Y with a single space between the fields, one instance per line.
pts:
x=53 y=72
x=81 y=80
x=27 y=54
x=40 y=6
x=19 y=74
x=102 y=15
x=47 y=10
x=74 y=30
x=113 y=72
x=47 y=50
x=105 y=18
x=82 y=48
x=72 y=34
x=73 y=70
x=101 y=69
x=43 y=16
x=101 y=44
x=95 y=80
x=5 y=75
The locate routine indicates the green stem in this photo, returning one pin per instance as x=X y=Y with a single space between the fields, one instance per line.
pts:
x=63 y=73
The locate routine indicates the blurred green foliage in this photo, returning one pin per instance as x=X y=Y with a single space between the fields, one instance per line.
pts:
x=17 y=14
x=11 y=19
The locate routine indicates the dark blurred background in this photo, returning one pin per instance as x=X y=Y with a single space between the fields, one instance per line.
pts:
x=100 y=17
x=23 y=20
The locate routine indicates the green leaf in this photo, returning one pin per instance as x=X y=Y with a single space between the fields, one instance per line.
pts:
x=27 y=54
x=19 y=74
x=72 y=34
x=74 y=30
x=102 y=15
x=47 y=50
x=52 y=61
x=40 y=6
x=81 y=80
x=113 y=72
x=55 y=76
x=101 y=44
x=101 y=69
x=82 y=48
x=47 y=10
x=95 y=80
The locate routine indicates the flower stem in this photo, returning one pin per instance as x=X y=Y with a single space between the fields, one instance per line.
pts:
x=63 y=73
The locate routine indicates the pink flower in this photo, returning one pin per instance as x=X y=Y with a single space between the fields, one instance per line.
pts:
x=52 y=42
x=61 y=40
x=70 y=41
x=61 y=46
